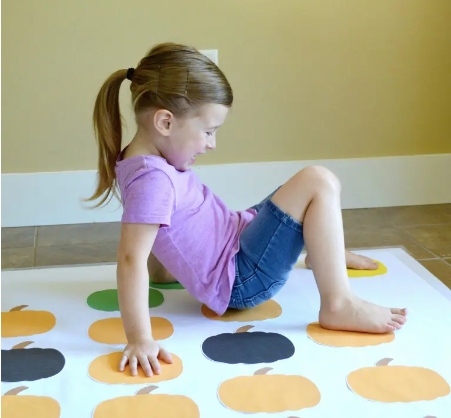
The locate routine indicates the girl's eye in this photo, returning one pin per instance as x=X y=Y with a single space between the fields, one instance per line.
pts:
x=209 y=133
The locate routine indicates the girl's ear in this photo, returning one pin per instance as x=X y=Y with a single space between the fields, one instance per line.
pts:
x=163 y=120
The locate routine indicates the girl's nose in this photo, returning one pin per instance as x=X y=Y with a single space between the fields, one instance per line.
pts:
x=212 y=144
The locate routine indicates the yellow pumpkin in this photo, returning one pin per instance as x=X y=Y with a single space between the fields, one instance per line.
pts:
x=379 y=271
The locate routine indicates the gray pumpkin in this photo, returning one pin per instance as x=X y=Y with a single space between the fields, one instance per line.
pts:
x=248 y=347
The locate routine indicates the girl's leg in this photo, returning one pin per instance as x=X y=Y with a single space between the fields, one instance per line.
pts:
x=157 y=272
x=312 y=196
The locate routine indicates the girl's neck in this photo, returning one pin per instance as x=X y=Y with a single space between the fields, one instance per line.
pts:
x=141 y=144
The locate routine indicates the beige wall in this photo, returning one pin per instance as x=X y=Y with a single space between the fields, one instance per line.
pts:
x=312 y=79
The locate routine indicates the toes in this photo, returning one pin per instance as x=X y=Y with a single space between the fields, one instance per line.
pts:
x=400 y=319
x=397 y=311
x=373 y=266
x=390 y=327
x=370 y=264
x=394 y=325
x=369 y=261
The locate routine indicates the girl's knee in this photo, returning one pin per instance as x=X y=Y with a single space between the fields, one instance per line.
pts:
x=295 y=196
x=319 y=176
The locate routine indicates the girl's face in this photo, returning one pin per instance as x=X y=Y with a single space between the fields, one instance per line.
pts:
x=191 y=136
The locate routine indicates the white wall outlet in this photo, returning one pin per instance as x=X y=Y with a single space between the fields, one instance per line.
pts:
x=211 y=53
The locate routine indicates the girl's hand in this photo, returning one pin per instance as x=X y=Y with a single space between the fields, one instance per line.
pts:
x=144 y=353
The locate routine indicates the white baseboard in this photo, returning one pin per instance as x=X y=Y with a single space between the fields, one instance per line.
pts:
x=56 y=198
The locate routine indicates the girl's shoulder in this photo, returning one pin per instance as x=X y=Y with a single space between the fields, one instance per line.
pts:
x=136 y=163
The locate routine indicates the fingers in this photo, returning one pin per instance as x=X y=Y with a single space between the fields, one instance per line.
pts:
x=146 y=356
x=133 y=363
x=165 y=355
x=123 y=363
x=155 y=364
x=146 y=365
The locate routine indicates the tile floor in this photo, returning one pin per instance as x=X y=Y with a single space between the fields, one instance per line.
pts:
x=423 y=231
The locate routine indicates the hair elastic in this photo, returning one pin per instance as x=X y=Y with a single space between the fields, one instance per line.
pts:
x=130 y=72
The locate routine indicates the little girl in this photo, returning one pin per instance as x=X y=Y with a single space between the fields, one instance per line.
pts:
x=226 y=259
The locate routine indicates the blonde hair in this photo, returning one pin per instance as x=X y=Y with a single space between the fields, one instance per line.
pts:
x=171 y=76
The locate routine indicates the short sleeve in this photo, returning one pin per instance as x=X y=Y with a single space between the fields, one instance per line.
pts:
x=149 y=199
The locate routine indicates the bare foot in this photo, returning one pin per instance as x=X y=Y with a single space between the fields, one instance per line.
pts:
x=360 y=262
x=354 y=261
x=354 y=314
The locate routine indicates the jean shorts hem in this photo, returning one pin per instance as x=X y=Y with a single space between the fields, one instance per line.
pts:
x=283 y=216
x=269 y=248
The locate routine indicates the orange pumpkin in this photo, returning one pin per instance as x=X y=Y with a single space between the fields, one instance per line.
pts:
x=334 y=338
x=111 y=330
x=105 y=369
x=268 y=393
x=28 y=405
x=20 y=323
x=386 y=383
x=267 y=310
x=145 y=405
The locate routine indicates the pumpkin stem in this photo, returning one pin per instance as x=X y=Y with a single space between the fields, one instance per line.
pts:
x=18 y=308
x=22 y=345
x=263 y=371
x=384 y=362
x=146 y=390
x=244 y=329
x=16 y=391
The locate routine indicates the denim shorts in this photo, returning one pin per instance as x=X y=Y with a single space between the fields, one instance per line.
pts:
x=269 y=248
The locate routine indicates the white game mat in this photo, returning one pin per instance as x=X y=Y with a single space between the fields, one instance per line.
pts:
x=62 y=337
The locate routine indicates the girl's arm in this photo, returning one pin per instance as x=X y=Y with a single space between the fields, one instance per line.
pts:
x=133 y=280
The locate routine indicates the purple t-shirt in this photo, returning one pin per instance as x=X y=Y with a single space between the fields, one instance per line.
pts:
x=198 y=237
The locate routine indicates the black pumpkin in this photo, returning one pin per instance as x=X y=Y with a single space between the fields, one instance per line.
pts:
x=29 y=364
x=248 y=347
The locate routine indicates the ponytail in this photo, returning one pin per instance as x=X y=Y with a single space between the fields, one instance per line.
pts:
x=171 y=76
x=108 y=131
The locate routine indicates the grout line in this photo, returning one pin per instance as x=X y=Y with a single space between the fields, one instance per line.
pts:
x=408 y=236
x=35 y=239
x=416 y=225
x=35 y=247
x=430 y=259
